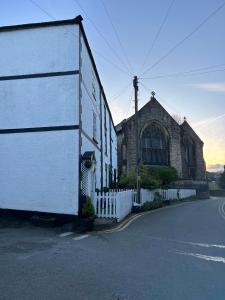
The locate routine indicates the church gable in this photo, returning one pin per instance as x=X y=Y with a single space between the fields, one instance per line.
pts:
x=187 y=130
x=153 y=111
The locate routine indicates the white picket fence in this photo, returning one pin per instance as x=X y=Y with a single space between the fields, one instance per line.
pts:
x=170 y=194
x=118 y=204
x=114 y=204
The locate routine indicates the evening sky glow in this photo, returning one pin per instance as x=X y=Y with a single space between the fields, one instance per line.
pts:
x=199 y=96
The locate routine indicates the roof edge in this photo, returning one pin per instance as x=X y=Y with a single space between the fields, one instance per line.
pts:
x=76 y=20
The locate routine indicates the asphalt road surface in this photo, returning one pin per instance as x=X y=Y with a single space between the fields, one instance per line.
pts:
x=177 y=252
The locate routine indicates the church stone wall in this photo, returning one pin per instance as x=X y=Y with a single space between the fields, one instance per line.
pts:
x=154 y=112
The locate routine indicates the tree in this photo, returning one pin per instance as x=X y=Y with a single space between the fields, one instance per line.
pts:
x=177 y=118
x=222 y=180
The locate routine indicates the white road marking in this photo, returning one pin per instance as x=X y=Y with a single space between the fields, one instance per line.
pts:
x=189 y=243
x=221 y=209
x=206 y=245
x=66 y=234
x=78 y=238
x=202 y=256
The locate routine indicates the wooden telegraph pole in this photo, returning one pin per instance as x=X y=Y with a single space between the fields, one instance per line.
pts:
x=135 y=84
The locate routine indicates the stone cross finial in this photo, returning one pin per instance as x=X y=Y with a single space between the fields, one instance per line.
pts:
x=185 y=119
x=153 y=94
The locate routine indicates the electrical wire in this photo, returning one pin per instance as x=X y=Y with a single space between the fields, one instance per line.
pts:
x=171 y=50
x=188 y=73
x=157 y=34
x=94 y=50
x=102 y=36
x=162 y=100
x=110 y=62
x=116 y=34
x=42 y=9
x=123 y=90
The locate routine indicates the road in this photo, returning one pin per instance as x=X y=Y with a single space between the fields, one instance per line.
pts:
x=177 y=252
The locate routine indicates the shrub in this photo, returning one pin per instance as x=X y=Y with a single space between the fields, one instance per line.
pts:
x=88 y=209
x=158 y=197
x=151 y=205
x=128 y=180
x=222 y=180
x=150 y=177
x=167 y=175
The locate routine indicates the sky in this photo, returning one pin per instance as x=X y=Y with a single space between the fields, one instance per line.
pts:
x=143 y=38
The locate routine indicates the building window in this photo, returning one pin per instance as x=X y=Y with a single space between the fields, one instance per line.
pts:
x=189 y=147
x=94 y=127
x=106 y=142
x=93 y=85
x=124 y=152
x=106 y=175
x=155 y=146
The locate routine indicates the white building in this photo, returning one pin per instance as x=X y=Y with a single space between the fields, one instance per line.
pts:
x=57 y=137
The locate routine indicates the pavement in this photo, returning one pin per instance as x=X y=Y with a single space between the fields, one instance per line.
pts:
x=177 y=252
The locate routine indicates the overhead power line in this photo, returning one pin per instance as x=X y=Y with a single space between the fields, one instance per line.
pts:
x=97 y=52
x=102 y=36
x=171 y=50
x=110 y=62
x=117 y=35
x=123 y=90
x=42 y=9
x=162 y=100
x=157 y=34
x=198 y=71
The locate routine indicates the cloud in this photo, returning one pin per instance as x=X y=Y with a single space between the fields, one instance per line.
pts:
x=215 y=168
x=218 y=87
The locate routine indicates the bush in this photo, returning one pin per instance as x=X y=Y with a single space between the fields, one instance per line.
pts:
x=222 y=180
x=167 y=175
x=148 y=179
x=88 y=210
x=151 y=205
x=158 y=197
x=128 y=180
x=151 y=177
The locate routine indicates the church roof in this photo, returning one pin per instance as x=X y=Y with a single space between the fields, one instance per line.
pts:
x=153 y=100
x=185 y=125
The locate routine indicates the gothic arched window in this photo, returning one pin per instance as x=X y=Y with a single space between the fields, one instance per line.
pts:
x=189 y=147
x=155 y=146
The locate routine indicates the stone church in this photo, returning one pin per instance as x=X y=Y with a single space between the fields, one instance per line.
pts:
x=162 y=142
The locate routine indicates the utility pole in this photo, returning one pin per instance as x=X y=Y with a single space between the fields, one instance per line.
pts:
x=135 y=84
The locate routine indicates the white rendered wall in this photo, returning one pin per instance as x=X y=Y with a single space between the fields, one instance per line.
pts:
x=39 y=171
x=39 y=102
x=39 y=50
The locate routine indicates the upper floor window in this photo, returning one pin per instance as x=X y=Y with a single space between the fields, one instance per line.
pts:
x=94 y=126
x=155 y=146
x=93 y=85
x=105 y=116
